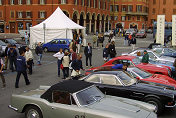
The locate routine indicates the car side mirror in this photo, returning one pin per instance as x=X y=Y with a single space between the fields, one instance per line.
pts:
x=138 y=78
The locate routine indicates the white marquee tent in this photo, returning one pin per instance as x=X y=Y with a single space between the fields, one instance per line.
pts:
x=58 y=25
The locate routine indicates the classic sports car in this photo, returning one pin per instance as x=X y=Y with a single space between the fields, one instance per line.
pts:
x=142 y=75
x=77 y=99
x=165 y=52
x=141 y=34
x=136 y=62
x=152 y=55
x=119 y=83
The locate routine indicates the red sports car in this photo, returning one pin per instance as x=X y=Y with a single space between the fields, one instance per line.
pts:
x=136 y=62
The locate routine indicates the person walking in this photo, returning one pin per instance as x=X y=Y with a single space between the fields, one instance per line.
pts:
x=126 y=39
x=106 y=53
x=6 y=56
x=88 y=54
x=133 y=43
x=145 y=58
x=73 y=55
x=77 y=66
x=129 y=39
x=77 y=44
x=29 y=59
x=12 y=54
x=94 y=40
x=74 y=46
x=65 y=63
x=59 y=56
x=21 y=69
x=39 y=52
x=26 y=37
x=1 y=73
x=112 y=50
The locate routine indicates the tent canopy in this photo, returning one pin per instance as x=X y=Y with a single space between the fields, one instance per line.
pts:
x=58 y=25
x=58 y=20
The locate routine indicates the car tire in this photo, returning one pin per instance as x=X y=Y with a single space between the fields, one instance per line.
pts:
x=45 y=49
x=33 y=112
x=155 y=102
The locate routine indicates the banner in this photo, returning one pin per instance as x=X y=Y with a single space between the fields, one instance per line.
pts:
x=173 y=30
x=160 y=29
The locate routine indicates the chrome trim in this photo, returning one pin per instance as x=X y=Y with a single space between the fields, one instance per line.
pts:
x=171 y=106
x=13 y=108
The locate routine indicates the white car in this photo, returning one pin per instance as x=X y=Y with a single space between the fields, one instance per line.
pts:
x=152 y=55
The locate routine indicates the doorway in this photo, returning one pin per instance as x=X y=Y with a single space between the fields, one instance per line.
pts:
x=12 y=27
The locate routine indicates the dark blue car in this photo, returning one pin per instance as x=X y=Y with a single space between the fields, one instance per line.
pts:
x=56 y=44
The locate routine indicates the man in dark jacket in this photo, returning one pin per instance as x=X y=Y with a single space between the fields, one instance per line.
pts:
x=12 y=55
x=112 y=50
x=145 y=58
x=21 y=69
x=88 y=54
x=39 y=52
x=106 y=53
x=133 y=42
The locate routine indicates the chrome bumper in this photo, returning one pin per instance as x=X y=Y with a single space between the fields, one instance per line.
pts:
x=13 y=108
x=171 y=106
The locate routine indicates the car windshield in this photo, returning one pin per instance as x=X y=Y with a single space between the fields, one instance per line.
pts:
x=142 y=73
x=2 y=43
x=11 y=41
x=89 y=96
x=126 y=78
x=137 y=60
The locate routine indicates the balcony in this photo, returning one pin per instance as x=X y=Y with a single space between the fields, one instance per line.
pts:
x=137 y=13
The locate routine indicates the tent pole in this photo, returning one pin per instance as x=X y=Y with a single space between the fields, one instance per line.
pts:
x=66 y=33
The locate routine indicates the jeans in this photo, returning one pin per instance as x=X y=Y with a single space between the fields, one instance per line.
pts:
x=18 y=77
x=26 y=41
x=3 y=79
x=89 y=56
x=59 y=62
x=29 y=63
x=39 y=58
x=12 y=62
x=66 y=72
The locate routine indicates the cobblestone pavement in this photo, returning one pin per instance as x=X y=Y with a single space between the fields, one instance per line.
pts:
x=46 y=74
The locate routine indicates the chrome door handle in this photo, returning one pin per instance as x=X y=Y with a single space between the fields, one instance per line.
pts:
x=53 y=107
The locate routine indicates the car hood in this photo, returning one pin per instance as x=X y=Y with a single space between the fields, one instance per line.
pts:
x=162 y=79
x=166 y=58
x=149 y=65
x=123 y=106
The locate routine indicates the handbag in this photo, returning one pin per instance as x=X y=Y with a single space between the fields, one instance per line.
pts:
x=61 y=66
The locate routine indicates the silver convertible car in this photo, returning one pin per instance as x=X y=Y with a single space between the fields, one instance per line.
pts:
x=77 y=99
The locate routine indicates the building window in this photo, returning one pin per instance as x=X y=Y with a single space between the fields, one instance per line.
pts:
x=94 y=4
x=164 y=10
x=42 y=2
x=20 y=26
x=28 y=14
x=115 y=18
x=28 y=25
x=138 y=18
x=0 y=14
x=129 y=18
x=130 y=8
x=12 y=2
x=28 y=2
x=154 y=2
x=174 y=11
x=139 y=8
x=20 y=2
x=20 y=14
x=164 y=2
x=0 y=2
x=153 y=11
x=111 y=8
x=42 y=14
x=12 y=14
x=82 y=2
x=76 y=2
x=124 y=8
x=63 y=1
x=99 y=4
x=123 y=18
x=116 y=8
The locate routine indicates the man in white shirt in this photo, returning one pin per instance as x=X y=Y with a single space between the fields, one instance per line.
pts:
x=59 y=55
x=26 y=38
x=29 y=59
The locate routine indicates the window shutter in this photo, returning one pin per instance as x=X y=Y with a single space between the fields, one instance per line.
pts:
x=16 y=14
x=77 y=2
x=38 y=1
x=66 y=1
x=31 y=15
x=24 y=2
x=59 y=1
x=38 y=14
x=45 y=1
x=9 y=2
x=2 y=2
x=15 y=2
x=45 y=14
x=31 y=1
x=24 y=14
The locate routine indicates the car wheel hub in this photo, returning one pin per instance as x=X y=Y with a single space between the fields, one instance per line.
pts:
x=155 y=104
x=32 y=114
